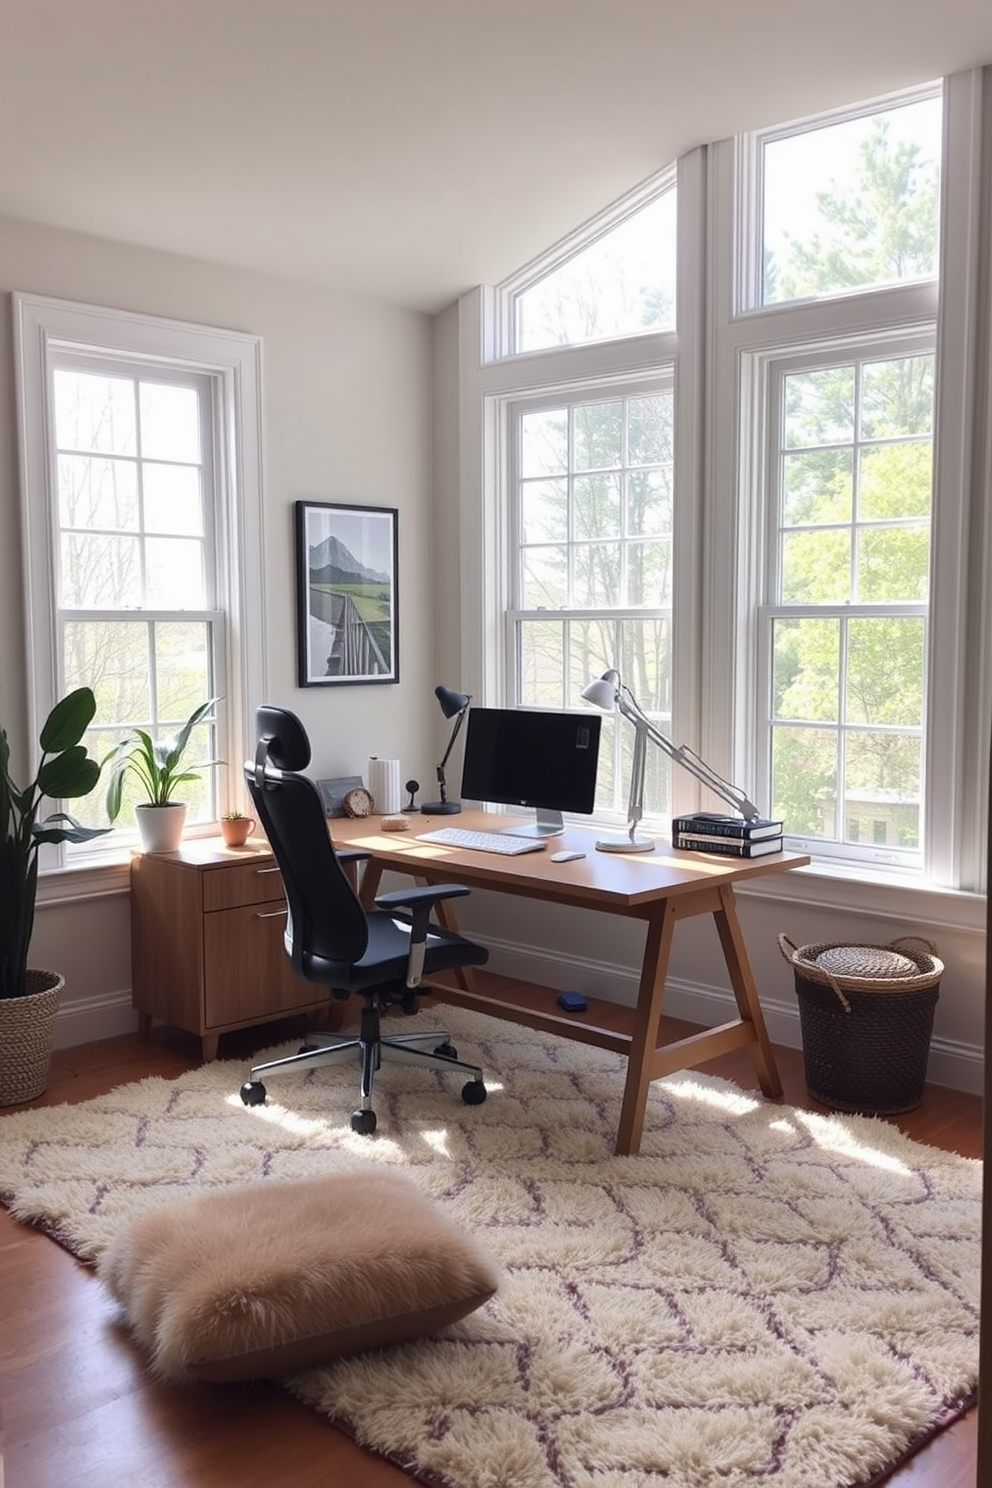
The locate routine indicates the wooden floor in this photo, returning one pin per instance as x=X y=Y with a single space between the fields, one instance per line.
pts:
x=76 y=1406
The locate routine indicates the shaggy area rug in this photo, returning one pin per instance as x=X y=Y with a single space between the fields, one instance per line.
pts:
x=762 y=1296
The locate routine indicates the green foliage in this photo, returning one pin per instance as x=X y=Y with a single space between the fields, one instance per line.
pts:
x=66 y=771
x=156 y=764
x=885 y=225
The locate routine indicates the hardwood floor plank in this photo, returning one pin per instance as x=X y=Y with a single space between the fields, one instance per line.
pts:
x=77 y=1405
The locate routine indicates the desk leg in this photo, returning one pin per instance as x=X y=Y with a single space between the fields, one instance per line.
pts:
x=745 y=991
x=447 y=920
x=371 y=879
x=644 y=1039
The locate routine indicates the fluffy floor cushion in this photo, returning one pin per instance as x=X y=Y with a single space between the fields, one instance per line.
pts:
x=267 y=1279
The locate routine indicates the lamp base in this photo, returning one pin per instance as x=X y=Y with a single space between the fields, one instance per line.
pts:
x=625 y=844
x=441 y=808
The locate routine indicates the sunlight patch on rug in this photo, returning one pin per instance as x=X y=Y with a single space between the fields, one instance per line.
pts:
x=763 y=1296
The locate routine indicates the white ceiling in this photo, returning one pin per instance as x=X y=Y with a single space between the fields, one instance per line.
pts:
x=409 y=149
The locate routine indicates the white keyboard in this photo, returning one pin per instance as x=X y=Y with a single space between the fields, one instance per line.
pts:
x=494 y=842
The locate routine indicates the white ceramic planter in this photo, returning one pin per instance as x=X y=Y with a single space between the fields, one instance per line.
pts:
x=161 y=827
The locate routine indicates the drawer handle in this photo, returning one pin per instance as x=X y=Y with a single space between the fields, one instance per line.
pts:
x=271 y=914
x=263 y=871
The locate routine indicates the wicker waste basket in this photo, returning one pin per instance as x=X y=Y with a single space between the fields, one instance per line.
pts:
x=866 y=1014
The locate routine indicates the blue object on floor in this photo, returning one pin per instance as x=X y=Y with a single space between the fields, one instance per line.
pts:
x=572 y=1002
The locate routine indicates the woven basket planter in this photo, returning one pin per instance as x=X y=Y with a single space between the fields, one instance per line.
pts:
x=27 y=1031
x=866 y=1014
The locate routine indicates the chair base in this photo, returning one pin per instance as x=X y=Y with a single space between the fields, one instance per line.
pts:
x=432 y=1050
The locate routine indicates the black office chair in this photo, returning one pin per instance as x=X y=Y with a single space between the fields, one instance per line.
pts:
x=332 y=940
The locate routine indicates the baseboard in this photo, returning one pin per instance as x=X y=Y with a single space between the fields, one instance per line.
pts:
x=957 y=1065
x=85 y=1020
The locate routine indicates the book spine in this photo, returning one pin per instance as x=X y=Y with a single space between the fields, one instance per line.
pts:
x=727 y=845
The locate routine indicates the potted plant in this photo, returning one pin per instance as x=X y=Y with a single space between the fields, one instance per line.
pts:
x=235 y=828
x=157 y=764
x=29 y=998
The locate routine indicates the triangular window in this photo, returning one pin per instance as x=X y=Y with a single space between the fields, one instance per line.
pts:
x=619 y=281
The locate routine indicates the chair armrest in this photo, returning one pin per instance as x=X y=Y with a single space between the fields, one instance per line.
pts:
x=351 y=854
x=419 y=902
x=413 y=897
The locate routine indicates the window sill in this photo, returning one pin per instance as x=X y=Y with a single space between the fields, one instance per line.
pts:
x=872 y=892
x=101 y=873
x=112 y=875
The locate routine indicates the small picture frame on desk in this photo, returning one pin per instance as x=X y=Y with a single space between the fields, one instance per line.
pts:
x=333 y=792
x=347 y=564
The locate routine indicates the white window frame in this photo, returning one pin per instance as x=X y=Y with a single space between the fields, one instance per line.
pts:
x=45 y=327
x=502 y=342
x=768 y=371
x=743 y=343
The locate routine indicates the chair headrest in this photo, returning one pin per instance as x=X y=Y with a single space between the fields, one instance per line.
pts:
x=284 y=737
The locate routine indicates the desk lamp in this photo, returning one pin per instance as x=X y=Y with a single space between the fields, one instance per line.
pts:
x=453 y=705
x=608 y=692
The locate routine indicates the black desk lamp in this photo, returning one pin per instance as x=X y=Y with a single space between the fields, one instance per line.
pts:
x=608 y=692
x=453 y=705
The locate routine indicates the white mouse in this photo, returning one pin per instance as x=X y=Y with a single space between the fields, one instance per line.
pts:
x=565 y=856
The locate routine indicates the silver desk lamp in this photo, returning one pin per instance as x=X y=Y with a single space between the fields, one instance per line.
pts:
x=608 y=692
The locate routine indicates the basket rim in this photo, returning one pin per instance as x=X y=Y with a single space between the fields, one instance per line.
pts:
x=931 y=968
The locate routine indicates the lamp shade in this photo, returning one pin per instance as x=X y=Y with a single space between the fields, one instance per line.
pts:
x=452 y=702
x=603 y=692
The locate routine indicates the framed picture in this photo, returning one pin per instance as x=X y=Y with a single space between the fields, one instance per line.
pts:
x=347 y=561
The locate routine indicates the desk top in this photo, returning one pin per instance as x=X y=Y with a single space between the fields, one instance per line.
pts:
x=603 y=880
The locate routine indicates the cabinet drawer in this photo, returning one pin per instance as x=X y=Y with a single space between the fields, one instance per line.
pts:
x=247 y=973
x=253 y=882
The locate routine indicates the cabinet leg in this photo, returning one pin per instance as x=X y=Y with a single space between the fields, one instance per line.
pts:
x=144 y=1027
x=208 y=1047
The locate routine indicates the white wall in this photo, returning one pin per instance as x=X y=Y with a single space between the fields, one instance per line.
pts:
x=346 y=400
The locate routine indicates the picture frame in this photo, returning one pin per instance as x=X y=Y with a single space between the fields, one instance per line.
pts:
x=347 y=581
x=333 y=792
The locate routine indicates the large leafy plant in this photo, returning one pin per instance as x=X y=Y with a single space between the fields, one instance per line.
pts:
x=66 y=771
x=156 y=763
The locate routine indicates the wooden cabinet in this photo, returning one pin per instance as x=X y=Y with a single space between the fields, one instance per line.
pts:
x=207 y=950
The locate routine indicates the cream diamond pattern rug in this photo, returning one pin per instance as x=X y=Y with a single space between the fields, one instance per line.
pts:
x=763 y=1296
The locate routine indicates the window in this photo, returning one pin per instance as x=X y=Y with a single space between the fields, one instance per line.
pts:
x=136 y=579
x=849 y=578
x=593 y=560
x=141 y=519
x=851 y=205
x=811 y=611
x=620 y=282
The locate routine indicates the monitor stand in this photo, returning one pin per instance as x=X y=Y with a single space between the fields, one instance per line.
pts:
x=547 y=824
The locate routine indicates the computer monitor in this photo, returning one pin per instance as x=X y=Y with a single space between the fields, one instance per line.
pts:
x=528 y=757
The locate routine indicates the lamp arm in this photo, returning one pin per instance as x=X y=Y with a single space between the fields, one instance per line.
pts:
x=686 y=757
x=454 y=735
x=635 y=803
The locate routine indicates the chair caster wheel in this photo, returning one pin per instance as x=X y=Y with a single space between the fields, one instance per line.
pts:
x=253 y=1093
x=474 y=1093
x=446 y=1050
x=410 y=1004
x=363 y=1122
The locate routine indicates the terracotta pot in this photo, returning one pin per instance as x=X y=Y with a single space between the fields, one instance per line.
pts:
x=160 y=827
x=236 y=830
x=27 y=1031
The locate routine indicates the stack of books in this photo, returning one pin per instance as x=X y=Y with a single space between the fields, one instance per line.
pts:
x=707 y=831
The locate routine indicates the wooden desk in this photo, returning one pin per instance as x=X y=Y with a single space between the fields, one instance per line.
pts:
x=661 y=888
